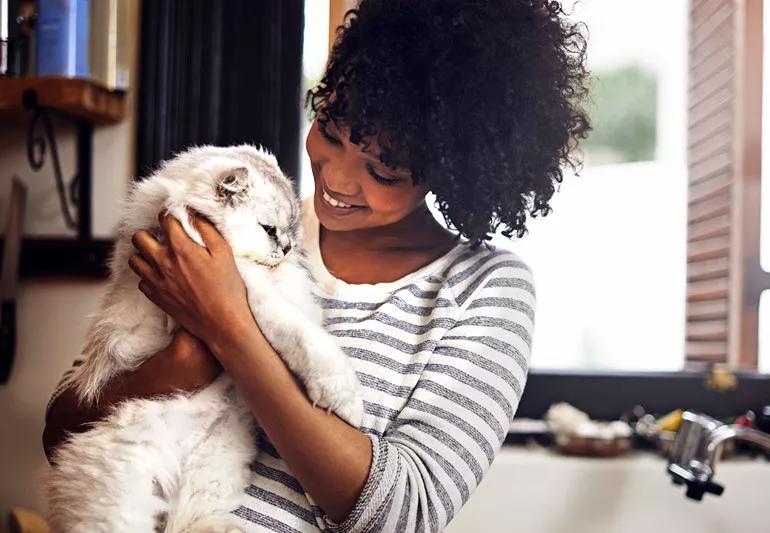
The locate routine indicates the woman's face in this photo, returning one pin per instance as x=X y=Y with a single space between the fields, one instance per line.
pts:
x=347 y=174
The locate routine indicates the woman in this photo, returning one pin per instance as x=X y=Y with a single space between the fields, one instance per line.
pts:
x=477 y=102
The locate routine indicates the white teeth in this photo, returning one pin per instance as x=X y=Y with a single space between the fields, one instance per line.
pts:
x=334 y=202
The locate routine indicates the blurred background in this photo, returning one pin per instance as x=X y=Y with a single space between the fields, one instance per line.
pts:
x=651 y=272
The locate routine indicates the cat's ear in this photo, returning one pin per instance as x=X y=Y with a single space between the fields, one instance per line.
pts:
x=233 y=186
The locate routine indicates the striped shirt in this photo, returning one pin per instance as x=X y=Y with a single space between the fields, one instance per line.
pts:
x=442 y=354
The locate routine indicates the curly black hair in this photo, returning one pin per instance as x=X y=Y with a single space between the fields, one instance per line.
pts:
x=481 y=100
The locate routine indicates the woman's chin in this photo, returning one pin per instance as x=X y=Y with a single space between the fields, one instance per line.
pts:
x=332 y=224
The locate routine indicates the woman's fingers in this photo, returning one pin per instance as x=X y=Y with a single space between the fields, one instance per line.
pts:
x=147 y=289
x=144 y=269
x=177 y=237
x=209 y=233
x=180 y=241
x=147 y=245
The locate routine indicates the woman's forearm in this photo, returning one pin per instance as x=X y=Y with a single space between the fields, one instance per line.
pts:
x=68 y=416
x=184 y=365
x=329 y=458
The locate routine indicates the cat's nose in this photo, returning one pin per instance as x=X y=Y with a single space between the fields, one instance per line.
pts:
x=286 y=249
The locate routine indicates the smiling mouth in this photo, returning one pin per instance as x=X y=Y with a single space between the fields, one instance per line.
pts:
x=329 y=199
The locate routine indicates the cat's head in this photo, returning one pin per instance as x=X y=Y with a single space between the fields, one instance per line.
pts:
x=242 y=190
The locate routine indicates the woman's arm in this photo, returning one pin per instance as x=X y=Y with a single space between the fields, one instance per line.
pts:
x=424 y=467
x=329 y=458
x=202 y=289
x=185 y=364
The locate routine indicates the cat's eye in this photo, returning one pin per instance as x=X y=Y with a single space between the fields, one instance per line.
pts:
x=270 y=230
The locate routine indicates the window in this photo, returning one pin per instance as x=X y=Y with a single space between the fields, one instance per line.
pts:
x=624 y=269
x=314 y=52
x=609 y=262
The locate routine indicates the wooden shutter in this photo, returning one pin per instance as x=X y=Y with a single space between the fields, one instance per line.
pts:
x=724 y=279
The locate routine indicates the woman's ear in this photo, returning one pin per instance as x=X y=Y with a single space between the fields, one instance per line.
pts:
x=232 y=186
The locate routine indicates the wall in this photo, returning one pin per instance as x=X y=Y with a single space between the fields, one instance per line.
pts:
x=51 y=326
x=53 y=313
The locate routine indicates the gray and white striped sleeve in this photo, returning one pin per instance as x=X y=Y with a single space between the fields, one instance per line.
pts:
x=64 y=382
x=435 y=453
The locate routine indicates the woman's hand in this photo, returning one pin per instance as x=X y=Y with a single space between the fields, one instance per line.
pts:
x=184 y=365
x=199 y=287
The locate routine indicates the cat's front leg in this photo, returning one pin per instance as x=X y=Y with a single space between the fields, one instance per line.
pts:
x=330 y=379
x=128 y=329
x=309 y=351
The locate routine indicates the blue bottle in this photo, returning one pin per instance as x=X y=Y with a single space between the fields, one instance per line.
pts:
x=62 y=38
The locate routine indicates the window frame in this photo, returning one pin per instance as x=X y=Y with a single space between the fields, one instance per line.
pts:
x=607 y=395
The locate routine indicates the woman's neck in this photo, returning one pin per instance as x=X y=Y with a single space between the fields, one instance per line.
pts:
x=387 y=253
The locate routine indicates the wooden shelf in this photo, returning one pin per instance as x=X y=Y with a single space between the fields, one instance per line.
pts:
x=74 y=257
x=81 y=103
x=78 y=97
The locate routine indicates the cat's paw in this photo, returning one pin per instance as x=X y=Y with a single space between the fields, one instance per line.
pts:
x=340 y=394
x=351 y=411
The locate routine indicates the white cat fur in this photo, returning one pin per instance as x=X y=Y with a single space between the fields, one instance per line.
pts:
x=179 y=463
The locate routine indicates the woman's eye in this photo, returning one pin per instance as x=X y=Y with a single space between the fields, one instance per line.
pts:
x=384 y=181
x=327 y=136
x=369 y=168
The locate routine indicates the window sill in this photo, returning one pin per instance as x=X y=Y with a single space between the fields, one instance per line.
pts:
x=607 y=395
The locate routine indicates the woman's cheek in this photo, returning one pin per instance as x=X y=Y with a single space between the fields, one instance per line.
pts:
x=390 y=204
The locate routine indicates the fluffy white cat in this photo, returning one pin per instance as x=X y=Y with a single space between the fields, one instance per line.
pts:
x=181 y=462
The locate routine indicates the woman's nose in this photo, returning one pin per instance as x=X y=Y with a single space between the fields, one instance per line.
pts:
x=340 y=186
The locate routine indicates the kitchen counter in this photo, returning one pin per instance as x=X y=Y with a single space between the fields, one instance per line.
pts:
x=539 y=491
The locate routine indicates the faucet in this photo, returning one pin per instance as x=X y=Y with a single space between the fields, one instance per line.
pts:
x=697 y=448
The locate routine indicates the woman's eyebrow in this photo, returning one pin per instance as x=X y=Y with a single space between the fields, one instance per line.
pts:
x=398 y=171
x=370 y=155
